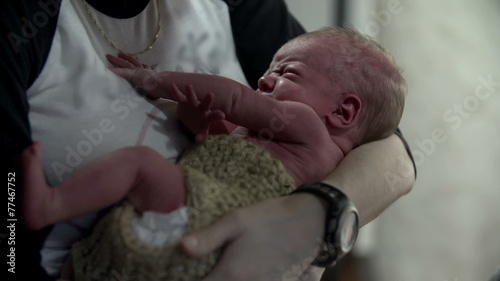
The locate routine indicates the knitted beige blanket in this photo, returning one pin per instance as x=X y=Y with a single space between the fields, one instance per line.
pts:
x=222 y=173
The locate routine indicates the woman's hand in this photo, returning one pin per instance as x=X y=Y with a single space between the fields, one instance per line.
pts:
x=276 y=239
x=139 y=74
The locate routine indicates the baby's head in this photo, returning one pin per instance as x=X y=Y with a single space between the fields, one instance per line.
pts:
x=361 y=74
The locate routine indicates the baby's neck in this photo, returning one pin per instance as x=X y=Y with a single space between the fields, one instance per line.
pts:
x=304 y=163
x=344 y=143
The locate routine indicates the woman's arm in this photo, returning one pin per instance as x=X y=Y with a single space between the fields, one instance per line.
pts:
x=374 y=176
x=286 y=231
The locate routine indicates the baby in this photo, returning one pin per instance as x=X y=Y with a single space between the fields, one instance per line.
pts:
x=324 y=93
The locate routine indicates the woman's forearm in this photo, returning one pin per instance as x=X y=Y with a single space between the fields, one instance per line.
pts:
x=374 y=176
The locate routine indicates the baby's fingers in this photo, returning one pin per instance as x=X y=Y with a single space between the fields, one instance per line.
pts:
x=135 y=62
x=207 y=102
x=215 y=115
x=118 y=62
x=177 y=95
x=191 y=96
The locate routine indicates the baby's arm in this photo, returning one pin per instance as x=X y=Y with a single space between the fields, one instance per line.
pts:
x=278 y=120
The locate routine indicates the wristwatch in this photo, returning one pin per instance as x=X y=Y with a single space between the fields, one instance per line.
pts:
x=342 y=223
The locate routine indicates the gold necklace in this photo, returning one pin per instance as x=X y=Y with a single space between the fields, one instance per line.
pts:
x=148 y=48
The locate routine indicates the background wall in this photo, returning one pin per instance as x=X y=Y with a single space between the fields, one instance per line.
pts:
x=448 y=227
x=313 y=15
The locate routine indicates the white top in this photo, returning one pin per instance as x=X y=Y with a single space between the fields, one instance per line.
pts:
x=80 y=110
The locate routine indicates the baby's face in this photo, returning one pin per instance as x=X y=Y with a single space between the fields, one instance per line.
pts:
x=295 y=75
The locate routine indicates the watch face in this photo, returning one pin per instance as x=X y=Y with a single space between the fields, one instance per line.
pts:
x=349 y=232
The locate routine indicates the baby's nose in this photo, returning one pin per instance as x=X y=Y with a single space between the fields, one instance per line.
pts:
x=266 y=83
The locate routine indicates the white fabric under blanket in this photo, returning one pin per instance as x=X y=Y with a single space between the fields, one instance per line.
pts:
x=157 y=229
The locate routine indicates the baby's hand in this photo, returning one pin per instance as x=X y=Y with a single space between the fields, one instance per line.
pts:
x=139 y=74
x=195 y=114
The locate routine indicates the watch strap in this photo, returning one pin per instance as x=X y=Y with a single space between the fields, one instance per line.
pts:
x=337 y=201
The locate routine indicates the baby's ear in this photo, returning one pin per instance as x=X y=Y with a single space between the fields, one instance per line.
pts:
x=345 y=112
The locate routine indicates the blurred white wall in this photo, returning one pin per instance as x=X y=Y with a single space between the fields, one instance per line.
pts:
x=448 y=227
x=313 y=14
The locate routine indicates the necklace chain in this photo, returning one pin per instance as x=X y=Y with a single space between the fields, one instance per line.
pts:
x=148 y=48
